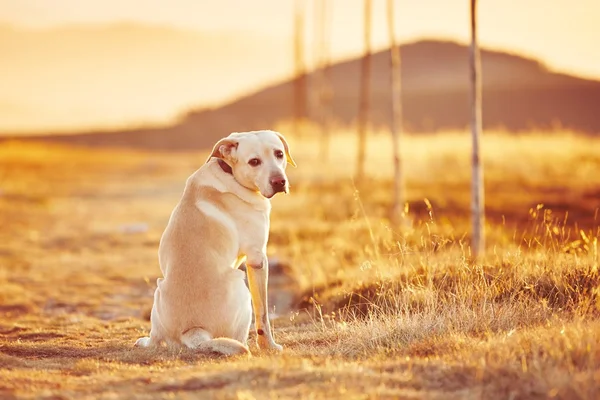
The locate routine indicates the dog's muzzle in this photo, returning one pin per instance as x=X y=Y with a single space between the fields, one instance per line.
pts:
x=279 y=184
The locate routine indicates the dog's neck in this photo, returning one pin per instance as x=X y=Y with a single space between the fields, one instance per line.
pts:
x=225 y=167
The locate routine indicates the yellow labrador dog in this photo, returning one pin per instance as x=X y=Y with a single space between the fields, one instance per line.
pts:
x=221 y=220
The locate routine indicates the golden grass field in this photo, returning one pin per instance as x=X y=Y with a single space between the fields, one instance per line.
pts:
x=364 y=309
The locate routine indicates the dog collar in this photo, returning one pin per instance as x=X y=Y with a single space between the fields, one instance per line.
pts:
x=225 y=167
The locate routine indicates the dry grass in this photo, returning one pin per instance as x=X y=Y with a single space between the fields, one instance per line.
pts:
x=379 y=311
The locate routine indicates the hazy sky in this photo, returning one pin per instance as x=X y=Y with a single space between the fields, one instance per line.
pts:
x=105 y=76
x=563 y=33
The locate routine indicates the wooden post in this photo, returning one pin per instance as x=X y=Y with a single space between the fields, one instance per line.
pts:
x=477 y=191
x=299 y=96
x=397 y=119
x=327 y=88
x=321 y=74
x=363 y=117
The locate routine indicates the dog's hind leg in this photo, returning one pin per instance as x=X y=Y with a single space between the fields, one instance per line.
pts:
x=157 y=335
x=150 y=341
x=199 y=339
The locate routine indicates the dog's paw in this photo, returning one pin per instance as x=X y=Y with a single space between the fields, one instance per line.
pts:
x=268 y=345
x=276 y=348
x=142 y=342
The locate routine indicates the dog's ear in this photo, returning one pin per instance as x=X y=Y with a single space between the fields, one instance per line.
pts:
x=286 y=147
x=223 y=149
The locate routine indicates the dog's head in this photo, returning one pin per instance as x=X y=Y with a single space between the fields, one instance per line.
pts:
x=257 y=160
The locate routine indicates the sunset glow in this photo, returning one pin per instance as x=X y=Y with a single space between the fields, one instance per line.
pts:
x=247 y=45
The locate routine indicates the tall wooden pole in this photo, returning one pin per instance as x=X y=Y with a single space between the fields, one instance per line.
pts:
x=397 y=118
x=326 y=88
x=477 y=192
x=299 y=96
x=322 y=94
x=363 y=118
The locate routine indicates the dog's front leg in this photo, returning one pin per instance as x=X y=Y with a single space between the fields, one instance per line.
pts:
x=258 y=276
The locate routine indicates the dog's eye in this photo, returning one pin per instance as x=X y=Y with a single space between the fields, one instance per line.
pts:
x=254 y=162
x=278 y=153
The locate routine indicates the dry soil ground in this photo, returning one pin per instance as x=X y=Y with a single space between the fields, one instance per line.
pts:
x=364 y=308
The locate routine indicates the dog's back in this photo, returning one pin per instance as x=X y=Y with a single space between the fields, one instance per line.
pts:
x=196 y=254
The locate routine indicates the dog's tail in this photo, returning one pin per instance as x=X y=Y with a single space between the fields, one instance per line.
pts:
x=202 y=341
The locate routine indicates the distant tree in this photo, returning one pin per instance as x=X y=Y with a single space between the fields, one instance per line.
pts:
x=397 y=124
x=477 y=192
x=299 y=67
x=364 y=105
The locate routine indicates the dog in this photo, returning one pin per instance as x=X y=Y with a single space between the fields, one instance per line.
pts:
x=222 y=220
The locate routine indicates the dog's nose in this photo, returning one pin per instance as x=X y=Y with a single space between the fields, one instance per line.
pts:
x=278 y=184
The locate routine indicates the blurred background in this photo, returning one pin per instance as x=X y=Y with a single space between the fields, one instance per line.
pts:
x=107 y=107
x=185 y=74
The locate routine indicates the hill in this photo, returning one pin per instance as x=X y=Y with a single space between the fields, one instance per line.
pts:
x=519 y=93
